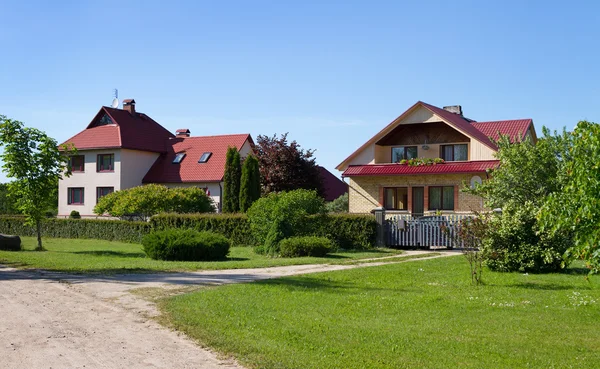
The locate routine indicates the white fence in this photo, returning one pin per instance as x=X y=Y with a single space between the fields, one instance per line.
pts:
x=427 y=231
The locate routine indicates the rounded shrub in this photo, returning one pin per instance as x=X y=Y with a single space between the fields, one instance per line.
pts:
x=74 y=215
x=185 y=245
x=305 y=246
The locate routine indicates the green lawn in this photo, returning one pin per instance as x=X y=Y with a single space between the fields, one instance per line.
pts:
x=96 y=256
x=421 y=314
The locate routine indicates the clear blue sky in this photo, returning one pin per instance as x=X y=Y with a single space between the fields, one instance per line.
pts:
x=331 y=73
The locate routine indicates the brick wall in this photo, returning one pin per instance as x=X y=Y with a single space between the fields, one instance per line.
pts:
x=365 y=192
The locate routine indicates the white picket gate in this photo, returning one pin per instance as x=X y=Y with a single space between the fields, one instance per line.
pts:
x=427 y=231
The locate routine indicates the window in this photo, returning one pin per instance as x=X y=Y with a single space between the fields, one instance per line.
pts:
x=105 y=120
x=441 y=198
x=103 y=191
x=454 y=152
x=403 y=152
x=395 y=198
x=75 y=196
x=77 y=163
x=105 y=163
x=204 y=158
x=178 y=158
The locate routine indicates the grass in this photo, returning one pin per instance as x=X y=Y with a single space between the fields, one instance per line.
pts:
x=421 y=314
x=96 y=256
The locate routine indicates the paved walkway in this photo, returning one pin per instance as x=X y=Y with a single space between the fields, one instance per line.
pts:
x=55 y=320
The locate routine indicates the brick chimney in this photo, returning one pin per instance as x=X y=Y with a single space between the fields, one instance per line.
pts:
x=456 y=109
x=182 y=132
x=129 y=105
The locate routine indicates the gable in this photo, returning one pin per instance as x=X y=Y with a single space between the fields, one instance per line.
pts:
x=423 y=113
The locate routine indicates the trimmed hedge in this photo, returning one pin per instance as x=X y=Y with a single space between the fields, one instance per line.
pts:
x=233 y=226
x=347 y=231
x=185 y=245
x=110 y=230
x=305 y=246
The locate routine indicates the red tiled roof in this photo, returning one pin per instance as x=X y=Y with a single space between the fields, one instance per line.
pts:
x=515 y=129
x=333 y=187
x=139 y=132
x=404 y=169
x=189 y=170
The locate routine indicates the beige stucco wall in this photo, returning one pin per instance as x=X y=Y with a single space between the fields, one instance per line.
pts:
x=134 y=166
x=364 y=191
x=89 y=180
x=479 y=151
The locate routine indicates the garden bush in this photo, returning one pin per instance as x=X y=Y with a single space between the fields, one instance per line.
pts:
x=283 y=215
x=347 y=231
x=110 y=230
x=513 y=242
x=74 y=215
x=305 y=246
x=185 y=245
x=233 y=226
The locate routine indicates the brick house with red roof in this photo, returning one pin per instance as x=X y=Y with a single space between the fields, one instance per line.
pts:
x=377 y=178
x=123 y=148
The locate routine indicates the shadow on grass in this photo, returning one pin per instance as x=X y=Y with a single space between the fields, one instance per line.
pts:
x=577 y=271
x=322 y=285
x=119 y=254
x=543 y=286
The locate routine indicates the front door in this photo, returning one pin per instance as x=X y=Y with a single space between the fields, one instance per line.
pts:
x=418 y=201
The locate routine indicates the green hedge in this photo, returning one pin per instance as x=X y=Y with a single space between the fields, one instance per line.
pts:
x=233 y=226
x=345 y=230
x=305 y=246
x=110 y=230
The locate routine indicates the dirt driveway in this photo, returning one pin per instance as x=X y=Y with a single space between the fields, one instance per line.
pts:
x=54 y=320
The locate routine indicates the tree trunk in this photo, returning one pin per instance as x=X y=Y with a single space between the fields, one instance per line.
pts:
x=38 y=227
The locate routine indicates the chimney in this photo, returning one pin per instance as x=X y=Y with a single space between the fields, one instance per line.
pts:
x=182 y=132
x=129 y=105
x=456 y=109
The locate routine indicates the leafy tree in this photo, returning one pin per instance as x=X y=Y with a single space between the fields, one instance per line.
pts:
x=285 y=166
x=148 y=200
x=34 y=162
x=527 y=175
x=339 y=205
x=231 y=185
x=7 y=205
x=250 y=183
x=576 y=208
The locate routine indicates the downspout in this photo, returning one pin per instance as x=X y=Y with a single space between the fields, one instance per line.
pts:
x=347 y=184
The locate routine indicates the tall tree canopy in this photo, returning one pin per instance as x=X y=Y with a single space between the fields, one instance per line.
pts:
x=576 y=208
x=250 y=183
x=7 y=204
x=34 y=163
x=231 y=181
x=527 y=175
x=285 y=166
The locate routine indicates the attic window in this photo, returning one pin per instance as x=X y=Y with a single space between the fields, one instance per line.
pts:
x=105 y=120
x=178 y=158
x=204 y=158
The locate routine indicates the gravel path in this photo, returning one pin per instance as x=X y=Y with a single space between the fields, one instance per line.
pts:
x=55 y=320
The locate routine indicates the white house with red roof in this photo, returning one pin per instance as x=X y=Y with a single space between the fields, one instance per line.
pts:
x=123 y=148
x=378 y=175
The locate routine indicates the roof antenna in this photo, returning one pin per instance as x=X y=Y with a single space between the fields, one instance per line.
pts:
x=115 y=102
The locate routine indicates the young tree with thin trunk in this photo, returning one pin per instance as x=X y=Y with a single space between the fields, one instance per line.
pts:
x=34 y=162
x=250 y=183
x=233 y=173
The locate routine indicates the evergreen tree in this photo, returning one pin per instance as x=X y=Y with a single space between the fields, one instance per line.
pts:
x=231 y=190
x=250 y=183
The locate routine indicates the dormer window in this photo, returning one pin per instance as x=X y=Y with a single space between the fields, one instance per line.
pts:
x=204 y=158
x=105 y=120
x=178 y=158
